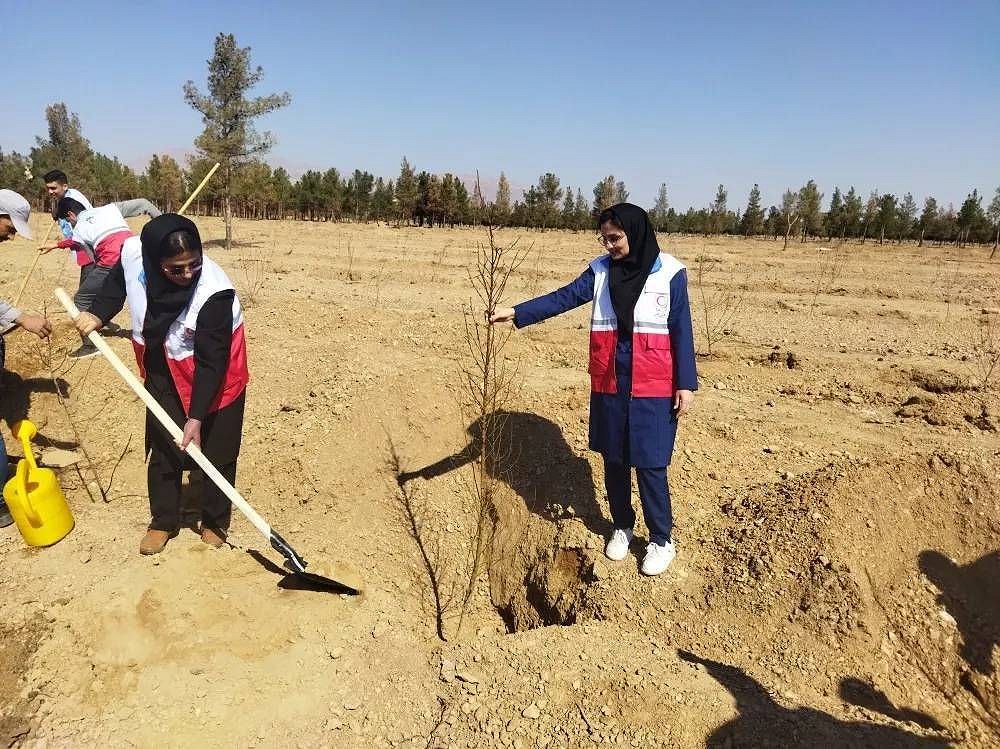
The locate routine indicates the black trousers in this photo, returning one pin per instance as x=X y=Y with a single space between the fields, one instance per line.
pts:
x=220 y=441
x=164 y=482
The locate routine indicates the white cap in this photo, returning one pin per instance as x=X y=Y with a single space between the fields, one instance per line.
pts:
x=13 y=205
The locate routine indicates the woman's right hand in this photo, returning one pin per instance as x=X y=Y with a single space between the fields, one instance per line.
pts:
x=500 y=314
x=87 y=323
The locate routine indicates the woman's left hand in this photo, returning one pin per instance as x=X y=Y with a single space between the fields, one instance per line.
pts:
x=192 y=433
x=683 y=401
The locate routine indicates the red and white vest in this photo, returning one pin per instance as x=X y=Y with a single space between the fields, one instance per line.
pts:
x=179 y=344
x=652 y=360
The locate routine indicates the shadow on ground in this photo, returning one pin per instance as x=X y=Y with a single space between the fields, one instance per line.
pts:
x=540 y=467
x=762 y=722
x=15 y=402
x=971 y=594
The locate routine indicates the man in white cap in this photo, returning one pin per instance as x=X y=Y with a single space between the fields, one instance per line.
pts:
x=14 y=213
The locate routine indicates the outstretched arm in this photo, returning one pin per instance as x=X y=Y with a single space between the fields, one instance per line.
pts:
x=569 y=297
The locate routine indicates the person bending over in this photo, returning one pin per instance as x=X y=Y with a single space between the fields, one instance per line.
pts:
x=188 y=335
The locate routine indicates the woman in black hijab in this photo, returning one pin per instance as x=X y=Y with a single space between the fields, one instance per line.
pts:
x=642 y=369
x=187 y=331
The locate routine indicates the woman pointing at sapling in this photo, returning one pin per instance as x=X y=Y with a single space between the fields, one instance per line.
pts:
x=642 y=370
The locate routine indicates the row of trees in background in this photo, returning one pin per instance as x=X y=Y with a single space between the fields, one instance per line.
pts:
x=258 y=191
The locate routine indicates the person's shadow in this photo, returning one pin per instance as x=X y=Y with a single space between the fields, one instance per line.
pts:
x=762 y=722
x=537 y=463
x=971 y=594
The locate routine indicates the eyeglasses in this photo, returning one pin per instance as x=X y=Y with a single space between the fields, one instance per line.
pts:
x=179 y=270
x=610 y=241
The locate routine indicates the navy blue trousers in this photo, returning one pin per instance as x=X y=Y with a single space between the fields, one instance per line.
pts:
x=653 y=492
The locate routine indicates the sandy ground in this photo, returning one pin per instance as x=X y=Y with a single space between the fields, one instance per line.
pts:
x=835 y=496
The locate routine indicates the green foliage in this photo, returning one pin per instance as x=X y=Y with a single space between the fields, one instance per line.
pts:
x=658 y=214
x=407 y=191
x=228 y=115
x=604 y=194
x=885 y=218
x=502 y=206
x=163 y=183
x=834 y=218
x=809 y=210
x=718 y=213
x=16 y=173
x=65 y=148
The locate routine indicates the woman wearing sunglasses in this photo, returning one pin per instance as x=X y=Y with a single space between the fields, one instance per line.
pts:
x=188 y=335
x=642 y=370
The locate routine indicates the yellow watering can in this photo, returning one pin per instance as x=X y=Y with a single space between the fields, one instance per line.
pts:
x=34 y=496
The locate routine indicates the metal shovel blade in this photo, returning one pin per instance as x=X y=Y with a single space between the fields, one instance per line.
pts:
x=297 y=566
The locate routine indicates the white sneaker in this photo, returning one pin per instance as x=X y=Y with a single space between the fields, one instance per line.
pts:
x=617 y=548
x=658 y=558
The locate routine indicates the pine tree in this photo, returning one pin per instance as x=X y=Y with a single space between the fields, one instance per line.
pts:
x=548 y=194
x=604 y=194
x=407 y=192
x=717 y=213
x=502 y=206
x=449 y=200
x=332 y=194
x=753 y=219
x=164 y=182
x=835 y=216
x=970 y=217
x=309 y=194
x=852 y=214
x=789 y=213
x=905 y=215
x=928 y=219
x=809 y=209
x=581 y=211
x=772 y=225
x=358 y=193
x=621 y=194
x=65 y=149
x=281 y=189
x=432 y=199
x=463 y=209
x=659 y=212
x=381 y=202
x=871 y=212
x=229 y=136
x=568 y=215
x=886 y=216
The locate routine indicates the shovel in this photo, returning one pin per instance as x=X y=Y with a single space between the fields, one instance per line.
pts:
x=295 y=563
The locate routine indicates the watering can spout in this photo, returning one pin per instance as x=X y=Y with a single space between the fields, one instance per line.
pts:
x=34 y=497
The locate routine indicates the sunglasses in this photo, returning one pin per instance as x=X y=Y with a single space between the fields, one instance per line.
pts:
x=610 y=241
x=179 y=270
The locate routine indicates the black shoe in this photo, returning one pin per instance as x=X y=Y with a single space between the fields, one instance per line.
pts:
x=112 y=328
x=85 y=351
x=5 y=516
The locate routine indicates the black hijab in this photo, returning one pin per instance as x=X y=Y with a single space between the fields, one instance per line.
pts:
x=629 y=274
x=165 y=300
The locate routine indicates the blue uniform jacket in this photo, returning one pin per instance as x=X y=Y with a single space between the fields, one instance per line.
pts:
x=633 y=431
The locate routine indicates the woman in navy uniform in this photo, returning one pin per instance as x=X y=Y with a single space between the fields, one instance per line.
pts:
x=642 y=370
